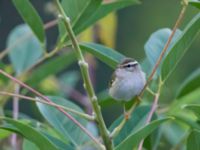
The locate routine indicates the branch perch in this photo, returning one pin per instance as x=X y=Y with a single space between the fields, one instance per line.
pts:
x=86 y=78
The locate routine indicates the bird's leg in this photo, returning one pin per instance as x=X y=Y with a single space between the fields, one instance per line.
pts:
x=126 y=113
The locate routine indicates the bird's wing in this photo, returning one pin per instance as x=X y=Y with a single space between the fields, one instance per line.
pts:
x=112 y=79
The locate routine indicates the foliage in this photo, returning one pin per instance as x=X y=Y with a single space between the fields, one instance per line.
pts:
x=67 y=125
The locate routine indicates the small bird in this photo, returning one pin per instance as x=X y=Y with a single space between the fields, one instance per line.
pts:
x=128 y=80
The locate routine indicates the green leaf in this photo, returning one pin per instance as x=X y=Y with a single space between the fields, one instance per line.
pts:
x=31 y=17
x=4 y=133
x=29 y=133
x=187 y=120
x=78 y=11
x=28 y=145
x=87 y=12
x=102 y=11
x=193 y=140
x=60 y=144
x=134 y=139
x=174 y=132
x=24 y=55
x=49 y=133
x=50 y=67
x=190 y=84
x=180 y=47
x=195 y=3
x=156 y=43
x=105 y=54
x=136 y=121
x=177 y=104
x=194 y=108
x=61 y=123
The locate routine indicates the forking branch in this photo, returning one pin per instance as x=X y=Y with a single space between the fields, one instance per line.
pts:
x=86 y=78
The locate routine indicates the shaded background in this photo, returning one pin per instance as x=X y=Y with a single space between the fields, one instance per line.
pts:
x=134 y=26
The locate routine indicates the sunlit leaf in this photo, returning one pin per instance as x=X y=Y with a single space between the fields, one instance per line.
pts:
x=4 y=133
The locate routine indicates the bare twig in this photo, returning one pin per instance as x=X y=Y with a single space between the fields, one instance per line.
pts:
x=37 y=99
x=15 y=116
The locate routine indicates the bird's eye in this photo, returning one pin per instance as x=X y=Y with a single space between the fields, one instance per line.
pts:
x=128 y=66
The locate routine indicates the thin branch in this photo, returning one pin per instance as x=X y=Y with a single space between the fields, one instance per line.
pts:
x=37 y=99
x=86 y=78
x=15 y=116
x=177 y=24
x=150 y=115
x=152 y=110
x=48 y=100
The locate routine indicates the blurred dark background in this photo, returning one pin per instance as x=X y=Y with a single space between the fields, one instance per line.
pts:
x=135 y=25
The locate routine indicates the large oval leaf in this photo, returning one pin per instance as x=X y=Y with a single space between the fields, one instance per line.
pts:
x=193 y=140
x=29 y=133
x=156 y=43
x=190 y=84
x=105 y=54
x=24 y=55
x=61 y=123
x=134 y=139
x=31 y=17
x=180 y=47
